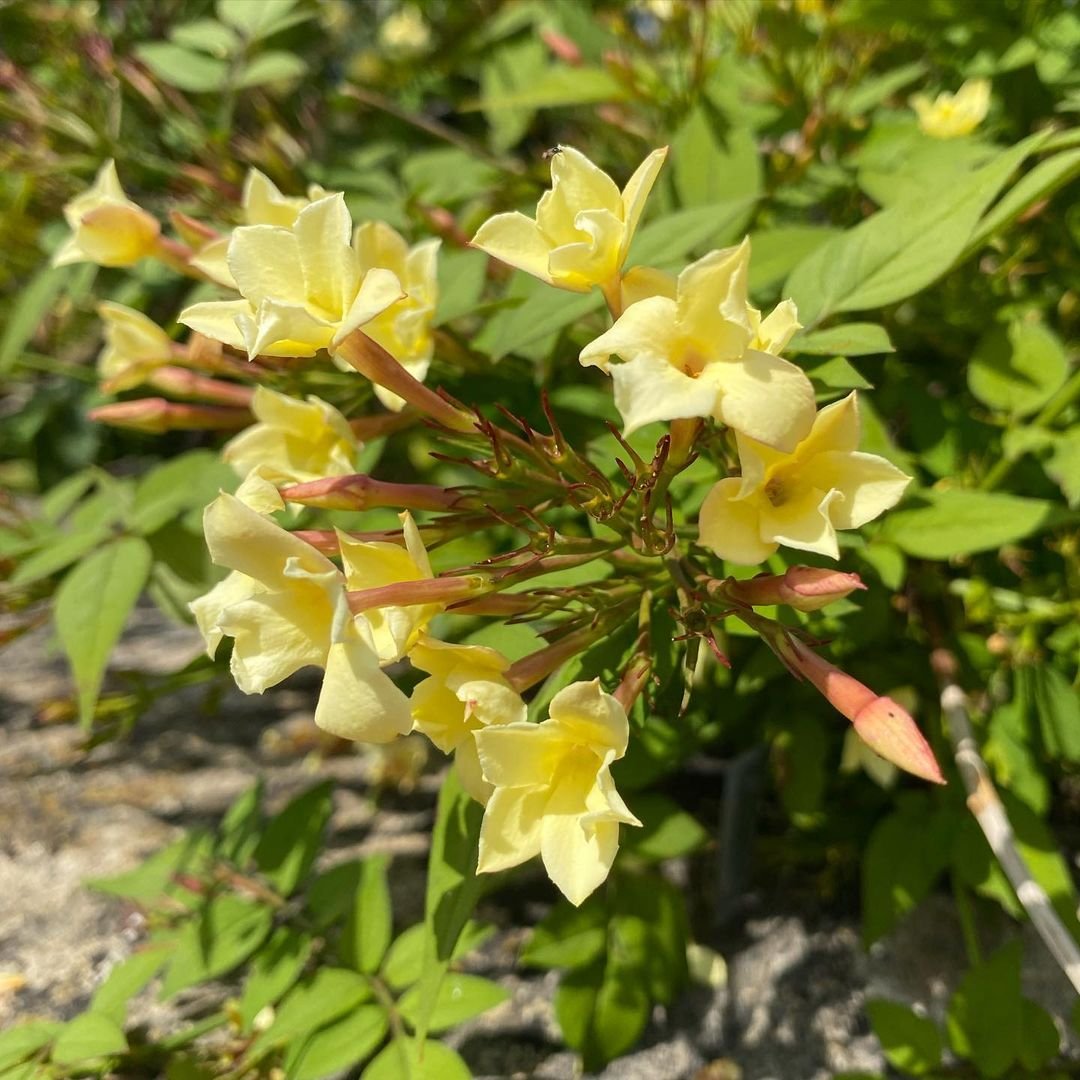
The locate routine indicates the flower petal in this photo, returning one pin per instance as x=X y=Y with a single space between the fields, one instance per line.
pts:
x=711 y=306
x=767 y=398
x=869 y=485
x=520 y=755
x=636 y=192
x=836 y=427
x=378 y=291
x=648 y=388
x=645 y=328
x=358 y=700
x=515 y=240
x=323 y=233
x=591 y=717
x=264 y=261
x=804 y=522
x=216 y=319
x=209 y=607
x=510 y=832
x=732 y=527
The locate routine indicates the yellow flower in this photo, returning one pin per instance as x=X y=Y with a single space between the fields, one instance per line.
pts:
x=294 y=441
x=583 y=225
x=284 y=606
x=303 y=289
x=702 y=352
x=134 y=346
x=800 y=499
x=404 y=328
x=951 y=115
x=405 y=32
x=466 y=691
x=107 y=228
x=554 y=795
x=262 y=204
x=373 y=564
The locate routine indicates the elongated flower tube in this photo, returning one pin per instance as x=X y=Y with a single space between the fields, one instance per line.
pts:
x=806 y=588
x=554 y=795
x=284 y=606
x=134 y=346
x=465 y=692
x=886 y=727
x=583 y=224
x=107 y=228
x=949 y=116
x=294 y=441
x=156 y=416
x=302 y=288
x=261 y=204
x=691 y=354
x=802 y=498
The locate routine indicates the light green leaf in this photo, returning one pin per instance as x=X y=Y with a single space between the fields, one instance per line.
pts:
x=206 y=35
x=368 y=929
x=256 y=19
x=90 y=1035
x=275 y=968
x=404 y=960
x=23 y=317
x=186 y=482
x=151 y=879
x=338 y=1046
x=776 y=252
x=559 y=86
x=569 y=937
x=460 y=998
x=984 y=1017
x=92 y=604
x=509 y=68
x=241 y=826
x=963 y=522
x=1058 y=708
x=872 y=91
x=851 y=339
x=670 y=239
x=18 y=1043
x=910 y=1042
x=271 y=67
x=413 y=1059
x=293 y=838
x=319 y=999
x=1063 y=466
x=1018 y=368
x=183 y=68
x=461 y=283
x=61 y=550
x=125 y=980
x=834 y=376
x=668 y=831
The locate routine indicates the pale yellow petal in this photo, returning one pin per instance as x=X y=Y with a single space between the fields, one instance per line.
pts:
x=213 y=261
x=732 y=527
x=515 y=240
x=264 y=204
x=711 y=308
x=645 y=328
x=576 y=184
x=264 y=261
x=836 y=427
x=378 y=291
x=414 y=544
x=803 y=522
x=648 y=388
x=358 y=699
x=467 y=763
x=491 y=703
x=379 y=244
x=591 y=717
x=637 y=191
x=755 y=460
x=767 y=398
x=279 y=328
x=442 y=658
x=117 y=234
x=576 y=858
x=439 y=714
x=520 y=755
x=216 y=319
x=869 y=485
x=593 y=256
x=208 y=608
x=777 y=328
x=259 y=491
x=642 y=282
x=510 y=832
x=323 y=232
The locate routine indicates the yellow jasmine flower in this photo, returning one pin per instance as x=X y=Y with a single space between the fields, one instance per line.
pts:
x=949 y=116
x=134 y=346
x=303 y=289
x=554 y=795
x=294 y=441
x=404 y=328
x=466 y=691
x=107 y=228
x=261 y=204
x=284 y=606
x=702 y=352
x=405 y=32
x=373 y=564
x=801 y=498
x=583 y=225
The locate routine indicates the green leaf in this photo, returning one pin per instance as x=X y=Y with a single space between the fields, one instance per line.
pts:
x=1063 y=466
x=872 y=91
x=668 y=832
x=225 y=933
x=271 y=67
x=275 y=968
x=544 y=311
x=330 y=895
x=18 y=1043
x=984 y=1018
x=557 y=87
x=404 y=961
x=961 y=522
x=453 y=889
x=447 y=175
x=569 y=937
x=60 y=552
x=184 y=483
x=369 y=927
x=151 y=879
x=1059 y=713
x=911 y=1043
x=898 y=251
x=670 y=239
x=1018 y=368
x=35 y=301
x=259 y=20
x=776 y=252
x=851 y=339
x=90 y=1035
x=413 y=1059
x=241 y=826
x=92 y=605
x=319 y=999
x=507 y=69
x=832 y=376
x=1039 y=1039
x=338 y=1046
x=206 y=35
x=291 y=840
x=125 y=980
x=183 y=68
x=905 y=855
x=798 y=757
x=461 y=283
x=460 y=998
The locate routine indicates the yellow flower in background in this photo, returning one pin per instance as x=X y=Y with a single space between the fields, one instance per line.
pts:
x=583 y=225
x=949 y=116
x=372 y=564
x=294 y=441
x=404 y=328
x=465 y=692
x=284 y=606
x=800 y=499
x=405 y=32
x=107 y=228
x=302 y=287
x=554 y=795
x=693 y=354
x=261 y=204
x=134 y=346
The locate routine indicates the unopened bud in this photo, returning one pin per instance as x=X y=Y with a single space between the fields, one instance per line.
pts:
x=561 y=47
x=194 y=233
x=880 y=722
x=445 y=590
x=360 y=492
x=156 y=415
x=806 y=588
x=188 y=384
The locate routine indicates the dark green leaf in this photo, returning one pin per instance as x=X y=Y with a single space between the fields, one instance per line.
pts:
x=984 y=1020
x=668 y=832
x=369 y=927
x=293 y=838
x=1039 y=1039
x=910 y=1042
x=569 y=937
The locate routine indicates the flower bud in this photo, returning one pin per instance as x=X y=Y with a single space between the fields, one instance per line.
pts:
x=880 y=722
x=182 y=383
x=156 y=415
x=361 y=492
x=806 y=588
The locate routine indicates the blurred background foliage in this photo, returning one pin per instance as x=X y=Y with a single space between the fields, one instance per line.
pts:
x=788 y=121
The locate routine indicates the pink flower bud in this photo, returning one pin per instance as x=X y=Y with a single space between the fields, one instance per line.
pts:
x=360 y=492
x=561 y=46
x=180 y=382
x=806 y=588
x=879 y=721
x=156 y=415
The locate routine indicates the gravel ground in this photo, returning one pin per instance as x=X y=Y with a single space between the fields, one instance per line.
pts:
x=791 y=1008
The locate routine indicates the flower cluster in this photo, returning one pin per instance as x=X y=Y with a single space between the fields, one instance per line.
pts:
x=307 y=291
